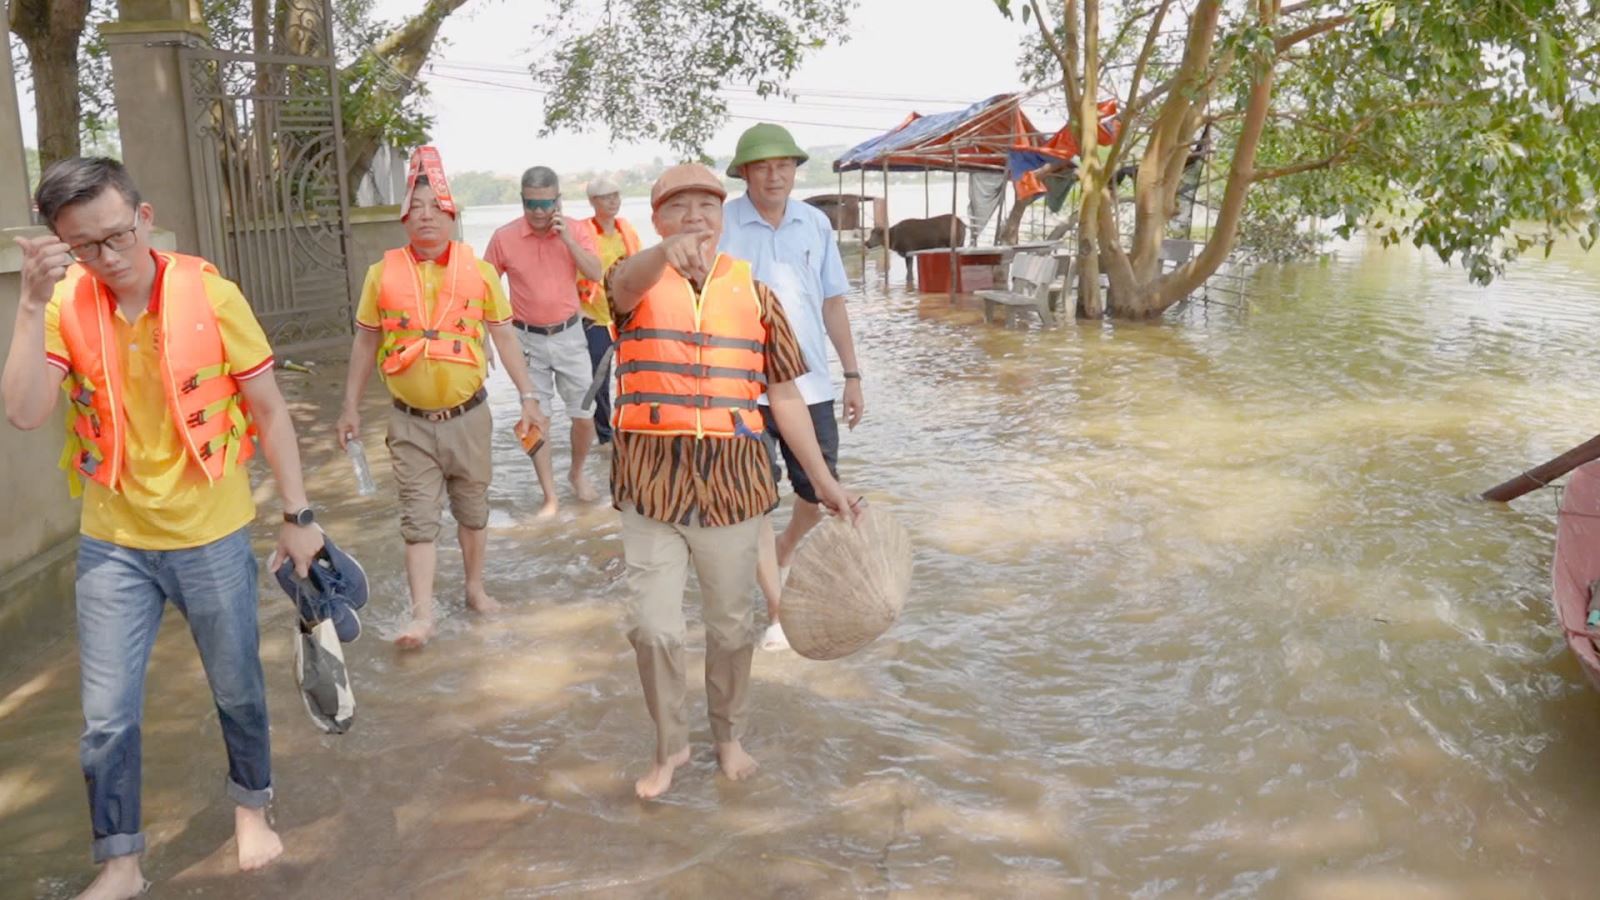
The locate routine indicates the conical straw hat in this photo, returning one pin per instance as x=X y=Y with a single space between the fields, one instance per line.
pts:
x=847 y=585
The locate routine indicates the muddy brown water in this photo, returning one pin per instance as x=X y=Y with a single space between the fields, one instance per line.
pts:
x=1201 y=609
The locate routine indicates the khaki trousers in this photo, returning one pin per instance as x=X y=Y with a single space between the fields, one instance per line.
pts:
x=658 y=555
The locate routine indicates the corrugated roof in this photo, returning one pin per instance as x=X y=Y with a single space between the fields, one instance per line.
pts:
x=981 y=135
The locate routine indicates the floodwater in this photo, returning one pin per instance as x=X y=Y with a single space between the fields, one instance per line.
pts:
x=1202 y=608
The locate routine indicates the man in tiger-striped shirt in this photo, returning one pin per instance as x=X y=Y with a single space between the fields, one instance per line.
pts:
x=698 y=339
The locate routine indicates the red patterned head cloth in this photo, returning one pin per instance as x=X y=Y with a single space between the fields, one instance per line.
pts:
x=425 y=162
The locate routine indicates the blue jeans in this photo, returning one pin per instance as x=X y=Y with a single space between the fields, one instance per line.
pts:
x=121 y=594
x=599 y=337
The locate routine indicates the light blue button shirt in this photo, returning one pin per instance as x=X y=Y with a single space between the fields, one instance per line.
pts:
x=799 y=261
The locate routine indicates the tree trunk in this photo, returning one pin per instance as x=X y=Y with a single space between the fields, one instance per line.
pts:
x=52 y=30
x=403 y=52
x=1091 y=169
x=1013 y=223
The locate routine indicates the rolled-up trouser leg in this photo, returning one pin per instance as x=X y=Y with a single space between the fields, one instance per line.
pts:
x=119 y=613
x=658 y=567
x=725 y=561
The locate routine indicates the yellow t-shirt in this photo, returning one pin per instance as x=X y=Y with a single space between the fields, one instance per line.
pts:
x=611 y=250
x=165 y=502
x=432 y=383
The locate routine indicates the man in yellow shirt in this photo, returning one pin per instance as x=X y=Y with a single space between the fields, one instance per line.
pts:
x=616 y=239
x=424 y=311
x=161 y=358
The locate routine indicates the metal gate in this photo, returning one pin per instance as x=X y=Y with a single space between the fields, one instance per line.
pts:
x=268 y=165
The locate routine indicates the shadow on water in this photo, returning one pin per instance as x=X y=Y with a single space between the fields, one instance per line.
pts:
x=1201 y=609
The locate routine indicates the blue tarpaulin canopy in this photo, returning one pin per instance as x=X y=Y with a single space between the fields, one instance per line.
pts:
x=979 y=137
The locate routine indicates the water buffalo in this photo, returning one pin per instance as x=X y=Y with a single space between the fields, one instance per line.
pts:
x=911 y=235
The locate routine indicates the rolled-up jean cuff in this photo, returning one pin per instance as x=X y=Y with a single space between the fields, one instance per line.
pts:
x=114 y=845
x=248 y=798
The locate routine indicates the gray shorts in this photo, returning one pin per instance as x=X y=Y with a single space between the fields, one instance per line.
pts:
x=559 y=363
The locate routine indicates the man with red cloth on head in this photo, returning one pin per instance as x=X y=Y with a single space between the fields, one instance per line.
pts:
x=425 y=310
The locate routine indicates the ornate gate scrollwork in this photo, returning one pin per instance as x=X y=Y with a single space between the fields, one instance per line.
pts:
x=269 y=176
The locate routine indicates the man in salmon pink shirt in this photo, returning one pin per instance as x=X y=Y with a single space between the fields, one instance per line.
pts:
x=542 y=253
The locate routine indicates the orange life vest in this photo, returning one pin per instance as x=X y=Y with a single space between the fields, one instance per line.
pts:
x=207 y=407
x=589 y=291
x=454 y=333
x=694 y=364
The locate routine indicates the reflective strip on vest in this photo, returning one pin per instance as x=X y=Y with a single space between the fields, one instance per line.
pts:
x=698 y=339
x=693 y=401
x=695 y=371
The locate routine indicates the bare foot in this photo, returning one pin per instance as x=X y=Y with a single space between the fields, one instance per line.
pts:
x=659 y=778
x=582 y=487
x=258 y=843
x=478 y=600
x=119 y=879
x=549 y=509
x=736 y=764
x=416 y=635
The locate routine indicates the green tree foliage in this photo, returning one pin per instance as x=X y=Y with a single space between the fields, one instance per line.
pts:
x=1464 y=126
x=652 y=70
x=379 y=60
x=483 y=188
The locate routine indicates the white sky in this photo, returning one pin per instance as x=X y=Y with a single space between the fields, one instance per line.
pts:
x=904 y=55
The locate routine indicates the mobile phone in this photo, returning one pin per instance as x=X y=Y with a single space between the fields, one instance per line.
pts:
x=532 y=441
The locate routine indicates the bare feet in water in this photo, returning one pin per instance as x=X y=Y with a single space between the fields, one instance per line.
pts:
x=119 y=879
x=736 y=764
x=549 y=509
x=416 y=635
x=582 y=487
x=479 y=601
x=659 y=778
x=258 y=843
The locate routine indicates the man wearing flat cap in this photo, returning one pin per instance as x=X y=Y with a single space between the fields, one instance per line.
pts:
x=615 y=239
x=698 y=341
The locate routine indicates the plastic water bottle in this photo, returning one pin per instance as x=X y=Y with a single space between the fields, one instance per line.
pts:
x=358 y=461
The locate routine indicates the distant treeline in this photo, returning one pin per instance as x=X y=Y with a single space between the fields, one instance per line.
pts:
x=479 y=188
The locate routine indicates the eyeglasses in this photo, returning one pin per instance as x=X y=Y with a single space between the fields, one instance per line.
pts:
x=528 y=203
x=89 y=251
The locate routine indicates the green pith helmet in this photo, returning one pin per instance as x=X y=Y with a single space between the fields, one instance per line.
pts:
x=765 y=141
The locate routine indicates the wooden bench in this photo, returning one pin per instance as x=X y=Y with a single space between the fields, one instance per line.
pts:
x=1029 y=280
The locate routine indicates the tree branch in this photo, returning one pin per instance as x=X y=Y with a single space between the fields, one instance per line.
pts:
x=1129 y=110
x=1321 y=26
x=1185 y=279
x=1069 y=69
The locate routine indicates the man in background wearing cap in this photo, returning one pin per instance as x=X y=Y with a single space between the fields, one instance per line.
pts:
x=791 y=248
x=698 y=337
x=542 y=253
x=615 y=239
x=423 y=313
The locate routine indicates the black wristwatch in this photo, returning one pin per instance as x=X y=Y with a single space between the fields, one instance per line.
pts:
x=855 y=375
x=302 y=517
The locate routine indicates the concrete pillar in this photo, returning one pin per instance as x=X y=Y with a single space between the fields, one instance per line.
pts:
x=157 y=138
x=16 y=209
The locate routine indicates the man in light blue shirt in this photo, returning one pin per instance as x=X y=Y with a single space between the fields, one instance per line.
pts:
x=791 y=249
